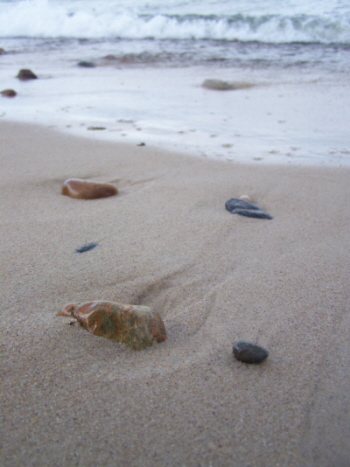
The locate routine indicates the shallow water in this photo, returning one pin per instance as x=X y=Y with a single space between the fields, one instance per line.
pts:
x=297 y=56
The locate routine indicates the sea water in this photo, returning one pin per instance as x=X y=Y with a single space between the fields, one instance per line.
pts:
x=150 y=59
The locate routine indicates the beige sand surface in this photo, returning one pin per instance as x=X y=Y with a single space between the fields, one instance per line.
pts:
x=70 y=398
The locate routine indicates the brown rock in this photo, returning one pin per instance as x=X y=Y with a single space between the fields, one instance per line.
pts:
x=8 y=93
x=133 y=325
x=2 y=51
x=25 y=75
x=87 y=189
x=110 y=57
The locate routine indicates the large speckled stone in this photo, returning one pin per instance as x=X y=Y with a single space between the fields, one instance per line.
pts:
x=135 y=326
x=87 y=189
x=249 y=353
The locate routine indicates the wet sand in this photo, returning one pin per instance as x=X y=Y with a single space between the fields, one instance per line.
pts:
x=166 y=241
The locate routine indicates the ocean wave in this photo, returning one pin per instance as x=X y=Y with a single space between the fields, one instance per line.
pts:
x=39 y=18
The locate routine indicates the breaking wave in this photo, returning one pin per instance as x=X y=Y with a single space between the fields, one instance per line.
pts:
x=79 y=19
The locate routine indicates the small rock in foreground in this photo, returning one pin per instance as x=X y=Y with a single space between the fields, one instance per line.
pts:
x=245 y=208
x=249 y=353
x=8 y=93
x=25 y=75
x=86 y=247
x=133 y=325
x=87 y=189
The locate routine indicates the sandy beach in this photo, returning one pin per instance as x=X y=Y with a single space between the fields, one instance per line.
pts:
x=70 y=398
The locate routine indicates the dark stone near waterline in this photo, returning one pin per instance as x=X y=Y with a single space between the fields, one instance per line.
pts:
x=86 y=247
x=85 y=64
x=8 y=93
x=249 y=353
x=2 y=51
x=26 y=75
x=245 y=208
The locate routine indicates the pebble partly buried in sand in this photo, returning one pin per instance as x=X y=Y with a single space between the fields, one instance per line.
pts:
x=249 y=353
x=245 y=208
x=135 y=326
x=87 y=189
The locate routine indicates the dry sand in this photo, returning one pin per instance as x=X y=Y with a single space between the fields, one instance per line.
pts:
x=166 y=241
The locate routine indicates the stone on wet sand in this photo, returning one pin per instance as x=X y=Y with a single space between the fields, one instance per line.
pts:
x=135 y=326
x=8 y=93
x=87 y=189
x=219 y=85
x=86 y=64
x=245 y=208
x=249 y=353
x=25 y=75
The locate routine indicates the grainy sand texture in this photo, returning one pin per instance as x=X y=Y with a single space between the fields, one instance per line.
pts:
x=70 y=398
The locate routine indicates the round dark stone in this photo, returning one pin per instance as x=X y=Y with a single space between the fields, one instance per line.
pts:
x=249 y=353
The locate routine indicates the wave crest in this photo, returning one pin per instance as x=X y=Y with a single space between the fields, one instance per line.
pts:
x=39 y=18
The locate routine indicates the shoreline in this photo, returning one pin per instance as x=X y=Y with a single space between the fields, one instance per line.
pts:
x=166 y=241
x=295 y=119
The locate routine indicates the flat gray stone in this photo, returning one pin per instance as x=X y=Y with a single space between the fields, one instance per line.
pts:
x=246 y=208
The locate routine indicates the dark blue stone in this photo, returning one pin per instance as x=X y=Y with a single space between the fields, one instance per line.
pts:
x=86 y=247
x=249 y=353
x=85 y=64
x=245 y=208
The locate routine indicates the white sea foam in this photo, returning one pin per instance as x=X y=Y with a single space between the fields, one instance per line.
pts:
x=188 y=20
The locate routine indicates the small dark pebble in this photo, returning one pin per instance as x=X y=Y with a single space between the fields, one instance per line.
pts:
x=245 y=208
x=8 y=93
x=94 y=128
x=249 y=353
x=25 y=75
x=85 y=64
x=142 y=144
x=86 y=247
